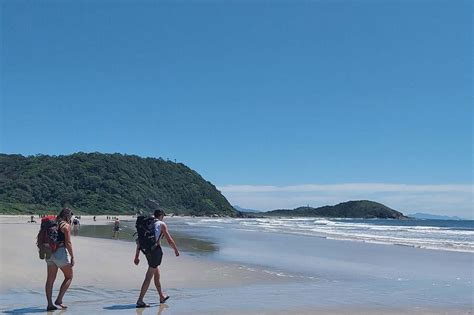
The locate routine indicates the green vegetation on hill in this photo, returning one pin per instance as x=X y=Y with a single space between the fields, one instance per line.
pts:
x=96 y=183
x=349 y=209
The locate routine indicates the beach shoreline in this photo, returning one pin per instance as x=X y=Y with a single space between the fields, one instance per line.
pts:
x=106 y=277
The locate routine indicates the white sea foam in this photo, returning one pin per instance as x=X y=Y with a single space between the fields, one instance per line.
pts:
x=371 y=231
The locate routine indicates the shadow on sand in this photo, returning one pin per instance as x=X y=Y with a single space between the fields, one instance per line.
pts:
x=30 y=310
x=125 y=306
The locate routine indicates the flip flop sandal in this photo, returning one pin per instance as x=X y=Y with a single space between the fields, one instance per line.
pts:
x=142 y=305
x=61 y=305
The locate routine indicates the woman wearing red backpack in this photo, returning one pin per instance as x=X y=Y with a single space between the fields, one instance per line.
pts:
x=62 y=258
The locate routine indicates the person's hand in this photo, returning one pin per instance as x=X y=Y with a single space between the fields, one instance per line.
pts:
x=72 y=261
x=136 y=261
x=176 y=252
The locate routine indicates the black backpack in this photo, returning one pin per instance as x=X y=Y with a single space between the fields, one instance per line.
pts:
x=145 y=233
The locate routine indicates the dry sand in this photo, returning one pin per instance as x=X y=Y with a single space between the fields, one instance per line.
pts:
x=109 y=263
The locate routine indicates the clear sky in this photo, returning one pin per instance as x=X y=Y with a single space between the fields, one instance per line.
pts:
x=301 y=96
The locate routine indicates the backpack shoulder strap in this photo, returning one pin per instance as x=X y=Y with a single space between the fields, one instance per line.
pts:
x=61 y=225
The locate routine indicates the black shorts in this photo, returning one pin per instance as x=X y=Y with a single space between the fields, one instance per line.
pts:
x=154 y=257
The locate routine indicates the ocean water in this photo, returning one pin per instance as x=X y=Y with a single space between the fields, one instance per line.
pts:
x=446 y=235
x=416 y=262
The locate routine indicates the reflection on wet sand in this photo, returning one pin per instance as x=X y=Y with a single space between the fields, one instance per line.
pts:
x=161 y=309
x=185 y=241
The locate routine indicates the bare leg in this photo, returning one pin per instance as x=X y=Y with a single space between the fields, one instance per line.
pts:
x=146 y=283
x=52 y=272
x=158 y=284
x=67 y=271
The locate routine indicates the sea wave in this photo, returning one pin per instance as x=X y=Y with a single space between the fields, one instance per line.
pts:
x=454 y=238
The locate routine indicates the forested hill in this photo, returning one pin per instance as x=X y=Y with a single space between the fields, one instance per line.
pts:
x=349 y=209
x=97 y=183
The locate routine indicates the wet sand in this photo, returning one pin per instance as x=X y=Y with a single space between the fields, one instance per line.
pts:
x=107 y=263
x=107 y=281
x=187 y=242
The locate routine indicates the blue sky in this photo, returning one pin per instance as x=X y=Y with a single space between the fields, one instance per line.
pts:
x=252 y=93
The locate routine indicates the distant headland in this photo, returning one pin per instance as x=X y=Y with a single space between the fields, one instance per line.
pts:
x=98 y=183
x=351 y=209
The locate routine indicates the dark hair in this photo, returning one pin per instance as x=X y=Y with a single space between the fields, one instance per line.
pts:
x=159 y=212
x=65 y=215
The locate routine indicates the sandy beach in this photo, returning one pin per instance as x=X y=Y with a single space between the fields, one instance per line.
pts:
x=106 y=280
x=105 y=263
x=105 y=268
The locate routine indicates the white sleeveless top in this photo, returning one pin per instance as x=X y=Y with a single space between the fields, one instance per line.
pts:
x=158 y=225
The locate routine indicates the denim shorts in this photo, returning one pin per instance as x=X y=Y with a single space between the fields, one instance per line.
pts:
x=60 y=258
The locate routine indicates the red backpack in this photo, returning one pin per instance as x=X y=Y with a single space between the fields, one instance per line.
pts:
x=47 y=239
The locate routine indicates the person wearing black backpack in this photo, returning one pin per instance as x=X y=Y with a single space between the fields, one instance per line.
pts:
x=150 y=231
x=62 y=258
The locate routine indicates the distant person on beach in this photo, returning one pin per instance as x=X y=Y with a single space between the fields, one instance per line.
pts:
x=93 y=218
x=77 y=224
x=116 y=228
x=62 y=258
x=154 y=256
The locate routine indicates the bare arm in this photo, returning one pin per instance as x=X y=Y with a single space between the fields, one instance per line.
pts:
x=170 y=240
x=66 y=229
x=137 y=253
